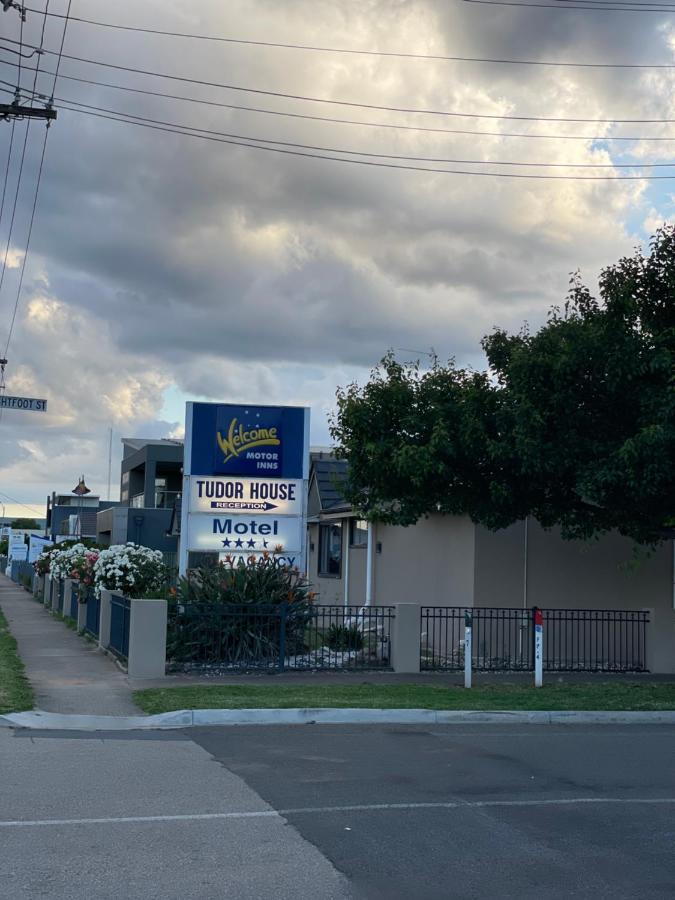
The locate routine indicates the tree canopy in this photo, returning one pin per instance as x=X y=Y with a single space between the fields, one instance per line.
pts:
x=573 y=424
x=24 y=523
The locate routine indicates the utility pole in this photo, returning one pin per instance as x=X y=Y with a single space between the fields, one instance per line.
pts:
x=15 y=110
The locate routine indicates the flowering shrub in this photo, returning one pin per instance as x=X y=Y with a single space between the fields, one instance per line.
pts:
x=130 y=569
x=75 y=562
x=42 y=564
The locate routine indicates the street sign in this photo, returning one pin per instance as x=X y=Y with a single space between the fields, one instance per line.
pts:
x=30 y=404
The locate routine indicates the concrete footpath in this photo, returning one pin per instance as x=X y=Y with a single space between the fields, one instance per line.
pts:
x=68 y=674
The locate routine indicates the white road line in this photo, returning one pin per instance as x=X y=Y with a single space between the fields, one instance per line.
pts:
x=313 y=810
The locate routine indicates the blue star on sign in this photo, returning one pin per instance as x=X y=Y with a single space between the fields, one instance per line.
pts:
x=250 y=543
x=227 y=542
x=239 y=543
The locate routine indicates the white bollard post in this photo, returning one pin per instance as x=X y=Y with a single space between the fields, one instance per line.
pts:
x=538 y=647
x=468 y=624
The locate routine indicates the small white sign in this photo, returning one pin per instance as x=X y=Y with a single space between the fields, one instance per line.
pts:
x=36 y=544
x=16 y=541
x=19 y=553
x=286 y=560
x=261 y=496
x=244 y=534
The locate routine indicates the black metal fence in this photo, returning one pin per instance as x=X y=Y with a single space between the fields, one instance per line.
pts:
x=92 y=621
x=61 y=595
x=120 y=614
x=285 y=636
x=575 y=640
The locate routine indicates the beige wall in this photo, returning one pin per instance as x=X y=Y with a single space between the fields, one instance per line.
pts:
x=600 y=574
x=430 y=563
x=357 y=575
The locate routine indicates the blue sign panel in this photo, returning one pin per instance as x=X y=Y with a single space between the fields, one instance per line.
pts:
x=226 y=439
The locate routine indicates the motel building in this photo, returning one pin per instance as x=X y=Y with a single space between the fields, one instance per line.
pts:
x=447 y=561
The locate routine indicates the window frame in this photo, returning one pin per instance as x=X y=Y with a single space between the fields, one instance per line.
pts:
x=352 y=529
x=323 y=556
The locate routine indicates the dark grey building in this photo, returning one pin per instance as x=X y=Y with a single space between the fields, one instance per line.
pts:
x=150 y=487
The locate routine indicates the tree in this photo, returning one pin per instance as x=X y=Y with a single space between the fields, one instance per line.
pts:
x=24 y=524
x=574 y=425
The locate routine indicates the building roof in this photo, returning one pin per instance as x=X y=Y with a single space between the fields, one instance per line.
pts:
x=139 y=443
x=330 y=475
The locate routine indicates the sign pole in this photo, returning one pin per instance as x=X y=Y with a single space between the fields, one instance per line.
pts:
x=538 y=647
x=468 y=622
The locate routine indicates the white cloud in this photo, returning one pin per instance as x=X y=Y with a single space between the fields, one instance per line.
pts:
x=163 y=266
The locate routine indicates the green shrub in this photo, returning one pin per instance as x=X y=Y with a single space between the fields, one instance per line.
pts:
x=344 y=638
x=237 y=613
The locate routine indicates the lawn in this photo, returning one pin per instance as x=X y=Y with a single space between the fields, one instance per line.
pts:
x=15 y=692
x=594 y=696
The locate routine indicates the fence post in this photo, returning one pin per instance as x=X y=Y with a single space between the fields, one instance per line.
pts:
x=283 y=612
x=406 y=638
x=468 y=623
x=147 y=639
x=538 y=620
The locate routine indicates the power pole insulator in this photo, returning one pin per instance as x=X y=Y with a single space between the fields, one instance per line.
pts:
x=11 y=4
x=15 y=111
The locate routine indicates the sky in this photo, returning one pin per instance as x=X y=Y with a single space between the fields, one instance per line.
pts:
x=164 y=268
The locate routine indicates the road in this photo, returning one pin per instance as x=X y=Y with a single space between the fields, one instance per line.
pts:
x=323 y=812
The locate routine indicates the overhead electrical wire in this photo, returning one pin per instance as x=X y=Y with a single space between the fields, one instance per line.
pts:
x=183 y=128
x=663 y=11
x=370 y=163
x=350 y=103
x=333 y=120
x=396 y=54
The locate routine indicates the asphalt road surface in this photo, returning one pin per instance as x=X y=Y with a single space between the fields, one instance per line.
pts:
x=334 y=811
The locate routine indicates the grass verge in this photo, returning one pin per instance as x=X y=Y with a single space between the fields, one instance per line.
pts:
x=599 y=696
x=16 y=693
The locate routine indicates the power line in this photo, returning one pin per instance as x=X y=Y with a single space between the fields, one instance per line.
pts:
x=350 y=103
x=364 y=162
x=6 y=178
x=333 y=120
x=359 y=52
x=183 y=128
x=664 y=11
x=32 y=507
x=37 y=184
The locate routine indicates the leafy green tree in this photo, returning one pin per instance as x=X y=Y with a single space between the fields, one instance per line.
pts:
x=574 y=424
x=24 y=523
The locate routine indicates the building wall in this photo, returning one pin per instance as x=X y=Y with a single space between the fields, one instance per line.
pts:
x=602 y=574
x=357 y=575
x=430 y=563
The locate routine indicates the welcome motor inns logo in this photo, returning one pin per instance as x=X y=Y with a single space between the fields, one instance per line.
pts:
x=239 y=439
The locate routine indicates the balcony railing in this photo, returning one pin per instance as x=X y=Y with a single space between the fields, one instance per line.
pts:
x=163 y=500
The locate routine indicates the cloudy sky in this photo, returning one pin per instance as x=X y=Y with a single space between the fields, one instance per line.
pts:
x=166 y=268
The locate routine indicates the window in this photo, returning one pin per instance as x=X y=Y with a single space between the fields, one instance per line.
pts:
x=358 y=533
x=330 y=550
